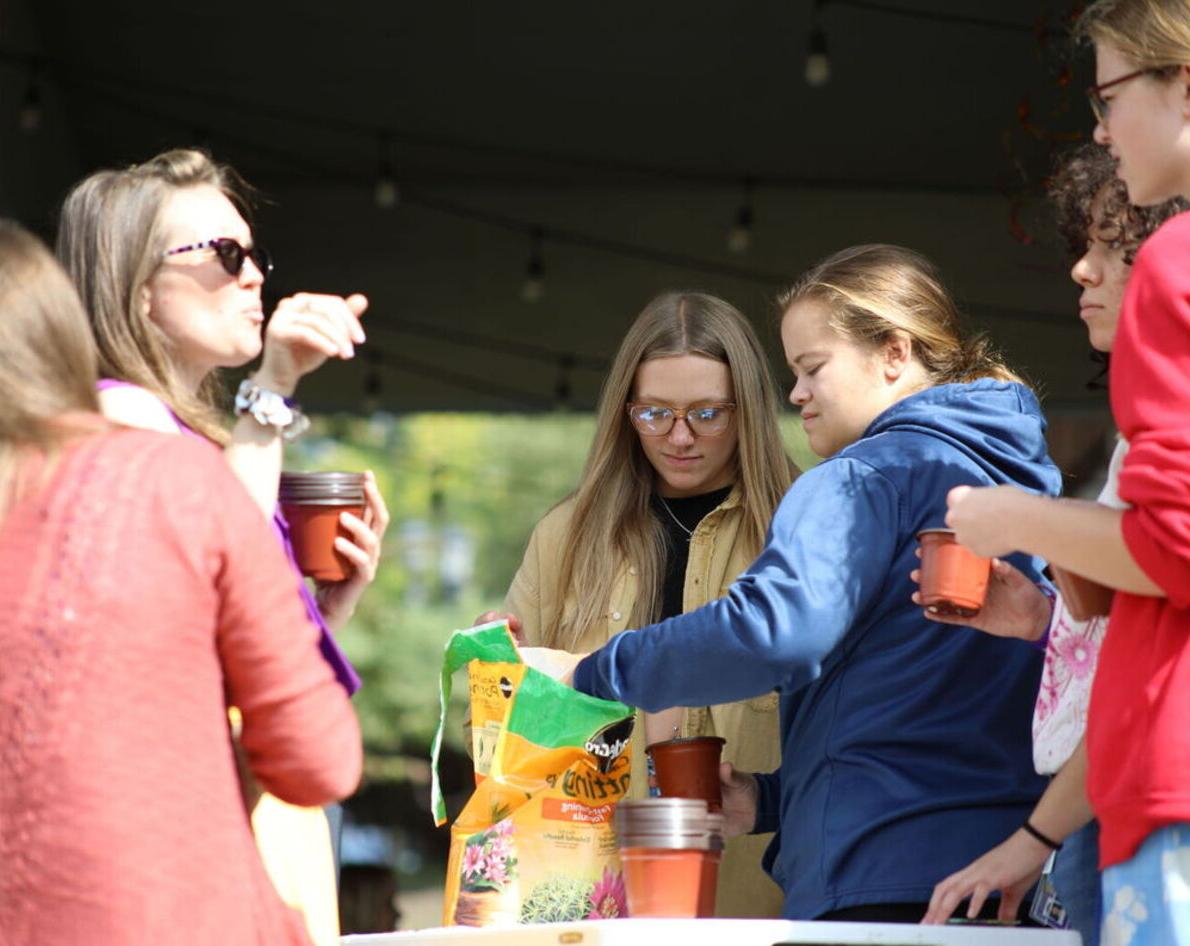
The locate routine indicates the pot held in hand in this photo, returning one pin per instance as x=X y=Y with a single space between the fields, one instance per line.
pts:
x=312 y=504
x=1084 y=598
x=689 y=768
x=954 y=580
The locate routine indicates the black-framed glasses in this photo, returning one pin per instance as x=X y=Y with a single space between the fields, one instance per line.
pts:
x=1099 y=105
x=706 y=420
x=230 y=254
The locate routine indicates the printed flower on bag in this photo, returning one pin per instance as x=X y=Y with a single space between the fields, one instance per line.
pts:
x=608 y=898
x=489 y=859
x=1079 y=655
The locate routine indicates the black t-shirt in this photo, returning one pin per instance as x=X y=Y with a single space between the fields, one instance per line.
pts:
x=689 y=511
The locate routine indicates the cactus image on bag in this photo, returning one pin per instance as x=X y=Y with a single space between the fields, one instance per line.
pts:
x=564 y=897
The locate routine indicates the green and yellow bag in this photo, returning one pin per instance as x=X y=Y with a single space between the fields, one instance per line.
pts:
x=534 y=843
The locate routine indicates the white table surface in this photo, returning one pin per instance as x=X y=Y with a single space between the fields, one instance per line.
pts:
x=649 y=932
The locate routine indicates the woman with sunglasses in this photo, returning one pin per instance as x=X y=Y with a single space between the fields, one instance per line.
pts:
x=1138 y=739
x=142 y=589
x=680 y=483
x=171 y=279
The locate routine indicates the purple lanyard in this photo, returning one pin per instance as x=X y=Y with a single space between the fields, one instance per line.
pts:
x=331 y=652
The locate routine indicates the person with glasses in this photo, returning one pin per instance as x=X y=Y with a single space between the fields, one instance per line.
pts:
x=1104 y=232
x=680 y=484
x=1138 y=740
x=142 y=589
x=171 y=277
x=905 y=745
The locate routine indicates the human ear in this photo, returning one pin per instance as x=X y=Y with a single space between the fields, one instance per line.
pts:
x=896 y=354
x=145 y=300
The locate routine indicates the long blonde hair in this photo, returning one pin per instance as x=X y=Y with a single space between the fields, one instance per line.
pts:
x=47 y=356
x=611 y=526
x=1153 y=34
x=110 y=239
x=874 y=290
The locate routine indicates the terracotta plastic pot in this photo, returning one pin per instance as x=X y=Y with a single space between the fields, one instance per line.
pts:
x=689 y=768
x=954 y=580
x=661 y=882
x=1084 y=599
x=669 y=851
x=312 y=503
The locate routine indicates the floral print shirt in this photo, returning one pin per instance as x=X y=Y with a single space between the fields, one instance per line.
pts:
x=1060 y=716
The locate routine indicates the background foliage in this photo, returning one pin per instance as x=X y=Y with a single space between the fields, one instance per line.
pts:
x=484 y=477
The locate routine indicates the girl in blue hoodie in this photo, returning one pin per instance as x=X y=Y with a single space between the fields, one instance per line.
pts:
x=905 y=746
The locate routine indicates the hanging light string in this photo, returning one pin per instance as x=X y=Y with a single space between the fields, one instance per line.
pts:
x=88 y=79
x=386 y=358
x=938 y=16
x=491 y=343
x=818 y=65
x=326 y=173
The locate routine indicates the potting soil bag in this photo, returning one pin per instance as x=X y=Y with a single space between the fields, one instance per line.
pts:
x=534 y=843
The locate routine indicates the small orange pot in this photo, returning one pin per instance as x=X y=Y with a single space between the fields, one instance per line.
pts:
x=689 y=768
x=954 y=580
x=1084 y=599
x=313 y=530
x=670 y=883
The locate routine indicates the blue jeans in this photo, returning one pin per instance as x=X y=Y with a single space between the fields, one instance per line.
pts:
x=1147 y=899
x=1076 y=878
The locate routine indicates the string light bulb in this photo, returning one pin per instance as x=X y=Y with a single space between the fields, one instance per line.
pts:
x=30 y=114
x=739 y=237
x=533 y=287
x=386 y=193
x=372 y=386
x=562 y=388
x=818 y=63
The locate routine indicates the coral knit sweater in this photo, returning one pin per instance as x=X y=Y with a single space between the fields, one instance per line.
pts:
x=143 y=593
x=1138 y=732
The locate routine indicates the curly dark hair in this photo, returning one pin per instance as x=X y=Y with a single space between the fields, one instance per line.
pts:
x=1081 y=175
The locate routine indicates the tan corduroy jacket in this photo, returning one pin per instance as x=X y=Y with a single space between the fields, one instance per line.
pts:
x=750 y=727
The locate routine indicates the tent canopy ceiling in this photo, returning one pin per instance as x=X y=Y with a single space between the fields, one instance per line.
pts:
x=621 y=140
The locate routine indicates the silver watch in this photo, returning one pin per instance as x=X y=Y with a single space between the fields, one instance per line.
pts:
x=270 y=409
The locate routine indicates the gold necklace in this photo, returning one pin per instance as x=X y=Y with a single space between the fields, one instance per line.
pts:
x=689 y=532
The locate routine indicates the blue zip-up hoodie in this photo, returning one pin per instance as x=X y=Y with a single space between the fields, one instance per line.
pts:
x=905 y=743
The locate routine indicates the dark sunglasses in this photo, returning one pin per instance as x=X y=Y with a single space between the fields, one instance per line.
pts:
x=230 y=254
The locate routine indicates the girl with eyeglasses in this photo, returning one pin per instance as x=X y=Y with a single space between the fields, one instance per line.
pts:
x=680 y=484
x=142 y=589
x=1104 y=231
x=905 y=746
x=1138 y=740
x=171 y=278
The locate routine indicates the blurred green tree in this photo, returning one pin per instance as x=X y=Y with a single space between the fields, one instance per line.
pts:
x=464 y=491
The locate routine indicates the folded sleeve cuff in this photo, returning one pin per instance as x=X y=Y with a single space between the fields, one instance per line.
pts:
x=768 y=802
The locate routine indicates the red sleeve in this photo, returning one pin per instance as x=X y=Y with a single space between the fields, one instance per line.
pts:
x=300 y=732
x=1150 y=387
